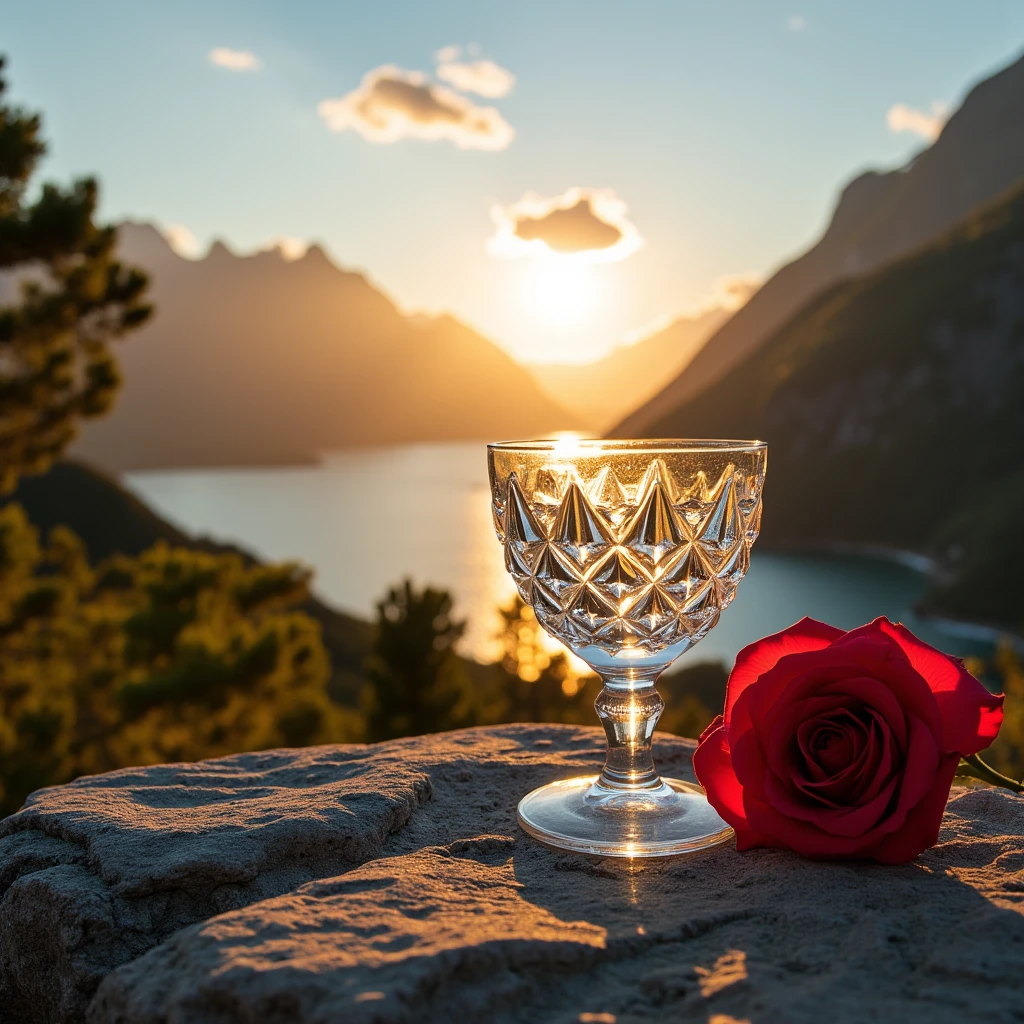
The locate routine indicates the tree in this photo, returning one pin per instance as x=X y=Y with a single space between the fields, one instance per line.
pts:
x=418 y=684
x=173 y=655
x=56 y=364
x=539 y=681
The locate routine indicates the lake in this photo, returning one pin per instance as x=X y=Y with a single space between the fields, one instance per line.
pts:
x=365 y=519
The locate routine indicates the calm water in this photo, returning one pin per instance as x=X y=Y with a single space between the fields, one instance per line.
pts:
x=365 y=519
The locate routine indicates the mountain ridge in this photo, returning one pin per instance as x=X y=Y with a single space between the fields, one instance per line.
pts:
x=879 y=216
x=893 y=407
x=257 y=359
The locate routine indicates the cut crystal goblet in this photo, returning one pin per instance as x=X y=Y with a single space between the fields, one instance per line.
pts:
x=628 y=551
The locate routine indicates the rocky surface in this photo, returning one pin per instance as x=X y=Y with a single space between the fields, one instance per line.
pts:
x=391 y=883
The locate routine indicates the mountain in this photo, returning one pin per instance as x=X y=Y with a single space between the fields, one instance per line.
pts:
x=893 y=407
x=602 y=392
x=879 y=217
x=258 y=359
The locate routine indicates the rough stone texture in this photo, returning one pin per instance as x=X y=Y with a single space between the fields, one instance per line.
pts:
x=391 y=883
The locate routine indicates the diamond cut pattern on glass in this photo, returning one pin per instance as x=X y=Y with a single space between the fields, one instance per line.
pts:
x=634 y=565
x=579 y=529
x=655 y=529
x=618 y=574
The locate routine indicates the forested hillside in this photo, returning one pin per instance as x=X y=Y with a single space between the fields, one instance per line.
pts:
x=893 y=405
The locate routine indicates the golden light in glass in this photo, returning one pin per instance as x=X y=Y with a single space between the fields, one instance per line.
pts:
x=628 y=552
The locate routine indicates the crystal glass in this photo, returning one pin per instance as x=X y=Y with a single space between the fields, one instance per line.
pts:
x=628 y=551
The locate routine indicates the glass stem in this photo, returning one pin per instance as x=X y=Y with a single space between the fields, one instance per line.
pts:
x=629 y=714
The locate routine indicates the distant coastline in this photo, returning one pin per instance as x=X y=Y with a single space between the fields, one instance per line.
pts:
x=297 y=461
x=328 y=516
x=927 y=566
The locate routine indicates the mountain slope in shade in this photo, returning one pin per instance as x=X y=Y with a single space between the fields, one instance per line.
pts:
x=879 y=217
x=893 y=407
x=604 y=391
x=260 y=360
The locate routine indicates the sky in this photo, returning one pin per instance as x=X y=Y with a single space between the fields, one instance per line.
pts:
x=429 y=145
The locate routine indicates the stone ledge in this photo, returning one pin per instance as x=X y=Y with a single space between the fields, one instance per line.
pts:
x=391 y=883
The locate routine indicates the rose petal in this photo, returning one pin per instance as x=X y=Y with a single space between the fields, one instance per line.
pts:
x=712 y=764
x=818 y=804
x=877 y=694
x=771 y=814
x=880 y=762
x=893 y=666
x=748 y=761
x=795 y=676
x=758 y=658
x=874 y=655
x=920 y=830
x=804 y=733
x=851 y=822
x=922 y=762
x=971 y=716
x=715 y=723
x=781 y=748
x=774 y=829
x=845 y=788
x=833 y=746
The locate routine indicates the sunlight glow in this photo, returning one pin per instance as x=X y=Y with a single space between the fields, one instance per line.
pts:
x=577 y=666
x=561 y=292
x=567 y=443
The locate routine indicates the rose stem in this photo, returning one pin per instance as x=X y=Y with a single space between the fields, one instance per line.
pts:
x=973 y=767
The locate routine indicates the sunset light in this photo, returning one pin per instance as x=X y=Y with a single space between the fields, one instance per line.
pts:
x=401 y=617
x=561 y=292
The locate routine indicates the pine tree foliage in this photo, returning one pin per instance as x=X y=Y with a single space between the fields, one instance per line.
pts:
x=418 y=684
x=66 y=298
x=174 y=655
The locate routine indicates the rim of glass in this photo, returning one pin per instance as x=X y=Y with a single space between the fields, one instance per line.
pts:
x=652 y=444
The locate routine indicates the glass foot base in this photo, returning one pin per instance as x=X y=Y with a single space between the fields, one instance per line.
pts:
x=671 y=818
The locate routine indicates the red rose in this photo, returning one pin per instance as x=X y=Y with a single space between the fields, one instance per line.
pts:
x=838 y=744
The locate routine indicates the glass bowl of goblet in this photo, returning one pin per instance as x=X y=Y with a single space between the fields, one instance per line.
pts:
x=628 y=552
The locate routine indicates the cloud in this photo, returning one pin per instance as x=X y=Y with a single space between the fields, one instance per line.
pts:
x=393 y=104
x=483 y=77
x=586 y=222
x=182 y=241
x=735 y=290
x=730 y=292
x=447 y=54
x=234 y=60
x=902 y=118
x=796 y=23
x=655 y=326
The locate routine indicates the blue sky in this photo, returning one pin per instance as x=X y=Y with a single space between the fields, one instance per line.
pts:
x=725 y=128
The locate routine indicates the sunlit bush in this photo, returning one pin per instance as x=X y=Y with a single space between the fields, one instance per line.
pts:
x=1006 y=672
x=173 y=655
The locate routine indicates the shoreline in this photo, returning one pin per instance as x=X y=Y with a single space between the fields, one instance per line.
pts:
x=926 y=566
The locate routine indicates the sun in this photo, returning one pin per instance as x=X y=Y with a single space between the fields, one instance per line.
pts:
x=561 y=292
